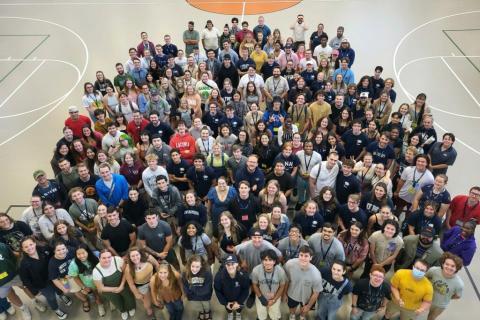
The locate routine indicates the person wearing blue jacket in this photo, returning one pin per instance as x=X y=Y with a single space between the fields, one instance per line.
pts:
x=232 y=287
x=346 y=52
x=112 y=189
x=251 y=173
x=197 y=283
x=274 y=117
x=345 y=71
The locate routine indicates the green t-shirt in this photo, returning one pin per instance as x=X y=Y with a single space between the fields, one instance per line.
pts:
x=85 y=277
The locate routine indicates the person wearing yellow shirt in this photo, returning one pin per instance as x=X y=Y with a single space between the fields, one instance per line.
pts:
x=412 y=292
x=259 y=57
x=319 y=109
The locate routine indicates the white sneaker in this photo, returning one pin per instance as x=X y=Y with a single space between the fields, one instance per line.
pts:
x=101 y=310
x=238 y=316
x=292 y=317
x=60 y=314
x=3 y=316
x=39 y=305
x=230 y=316
x=131 y=313
x=26 y=313
x=11 y=310
x=112 y=307
x=124 y=315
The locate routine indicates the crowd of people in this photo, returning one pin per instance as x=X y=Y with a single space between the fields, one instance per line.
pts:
x=257 y=168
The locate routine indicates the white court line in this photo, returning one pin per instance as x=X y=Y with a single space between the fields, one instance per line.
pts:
x=243 y=10
x=21 y=84
x=401 y=69
x=461 y=82
x=87 y=58
x=411 y=97
x=30 y=110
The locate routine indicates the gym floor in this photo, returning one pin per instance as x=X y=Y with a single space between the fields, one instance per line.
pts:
x=48 y=49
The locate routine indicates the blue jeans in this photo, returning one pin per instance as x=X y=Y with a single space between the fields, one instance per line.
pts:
x=327 y=307
x=50 y=293
x=175 y=309
x=4 y=305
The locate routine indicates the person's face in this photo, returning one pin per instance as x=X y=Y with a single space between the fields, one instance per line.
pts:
x=112 y=130
x=304 y=259
x=389 y=231
x=5 y=223
x=384 y=141
x=49 y=210
x=420 y=101
x=82 y=254
x=257 y=241
x=198 y=163
x=213 y=109
x=328 y=234
x=190 y=199
x=332 y=159
x=300 y=100
x=154 y=117
x=447 y=141
x=157 y=143
x=339 y=32
x=112 y=217
x=421 y=164
x=420 y=266
x=29 y=247
x=90 y=154
x=68 y=134
x=135 y=257
x=244 y=190
x=251 y=72
x=190 y=27
x=144 y=36
x=120 y=69
x=394 y=134
x=345 y=114
x=449 y=267
x=252 y=163
x=376 y=278
x=332 y=141
x=152 y=164
x=225 y=221
x=231 y=267
x=427 y=123
x=379 y=192
x=191 y=230
x=337 y=271
x=133 y=195
x=61 y=251
x=152 y=220
x=346 y=170
x=268 y=263
x=308 y=148
x=467 y=230
x=64 y=166
x=263 y=223
x=344 y=64
x=425 y=240
x=339 y=101
x=272 y=188
x=102 y=211
x=62 y=229
x=123 y=142
x=176 y=157
x=352 y=204
x=222 y=184
x=217 y=150
x=310 y=209
x=77 y=197
x=264 y=140
x=136 y=64
x=36 y=202
x=105 y=259
x=287 y=151
x=429 y=211
x=195 y=267
x=102 y=157
x=78 y=146
x=225 y=132
x=105 y=173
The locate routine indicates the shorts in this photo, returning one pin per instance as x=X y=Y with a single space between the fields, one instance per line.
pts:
x=144 y=288
x=70 y=283
x=293 y=303
x=405 y=314
x=5 y=289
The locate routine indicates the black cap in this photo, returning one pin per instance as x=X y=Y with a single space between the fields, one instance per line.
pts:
x=256 y=232
x=227 y=57
x=231 y=258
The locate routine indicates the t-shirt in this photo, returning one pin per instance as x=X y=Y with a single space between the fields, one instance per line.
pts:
x=85 y=277
x=58 y=269
x=369 y=297
x=8 y=265
x=354 y=144
x=118 y=236
x=325 y=178
x=381 y=155
x=414 y=181
x=202 y=180
x=199 y=245
x=384 y=247
x=303 y=282
x=179 y=170
x=440 y=156
x=325 y=253
x=418 y=221
x=413 y=292
x=155 y=238
x=268 y=282
x=288 y=249
x=331 y=286
x=116 y=264
x=348 y=217
x=462 y=212
x=251 y=254
x=345 y=186
x=13 y=236
x=444 y=288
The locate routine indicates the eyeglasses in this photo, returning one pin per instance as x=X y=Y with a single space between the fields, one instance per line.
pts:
x=473 y=194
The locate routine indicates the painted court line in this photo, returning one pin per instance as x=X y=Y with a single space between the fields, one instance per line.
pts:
x=458 y=47
x=461 y=82
x=243 y=10
x=21 y=84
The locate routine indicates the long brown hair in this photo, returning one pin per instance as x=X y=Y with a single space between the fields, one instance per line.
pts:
x=70 y=230
x=143 y=258
x=173 y=283
x=233 y=227
x=188 y=271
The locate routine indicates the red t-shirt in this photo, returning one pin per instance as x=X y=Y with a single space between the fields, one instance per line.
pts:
x=76 y=125
x=462 y=212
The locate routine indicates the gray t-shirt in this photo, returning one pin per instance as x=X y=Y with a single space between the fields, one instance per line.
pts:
x=302 y=283
x=443 y=288
x=325 y=253
x=155 y=238
x=268 y=282
x=247 y=252
x=199 y=246
x=289 y=250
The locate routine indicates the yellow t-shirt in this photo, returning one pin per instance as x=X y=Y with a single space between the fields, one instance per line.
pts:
x=259 y=59
x=413 y=292
x=319 y=111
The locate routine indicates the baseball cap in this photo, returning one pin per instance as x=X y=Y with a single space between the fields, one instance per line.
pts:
x=154 y=92
x=256 y=232
x=38 y=173
x=309 y=62
x=72 y=109
x=427 y=232
x=344 y=40
x=364 y=94
x=288 y=46
x=231 y=258
x=227 y=57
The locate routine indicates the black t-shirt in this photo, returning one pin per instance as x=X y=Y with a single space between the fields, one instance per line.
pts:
x=89 y=186
x=245 y=211
x=118 y=236
x=179 y=170
x=349 y=217
x=196 y=213
x=13 y=236
x=345 y=186
x=354 y=144
x=285 y=180
x=201 y=180
x=58 y=269
x=369 y=297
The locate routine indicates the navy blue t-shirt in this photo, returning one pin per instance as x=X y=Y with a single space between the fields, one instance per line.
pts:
x=346 y=186
x=348 y=217
x=427 y=194
x=202 y=181
x=290 y=162
x=332 y=286
x=179 y=170
x=418 y=220
x=354 y=144
x=243 y=65
x=309 y=224
x=381 y=155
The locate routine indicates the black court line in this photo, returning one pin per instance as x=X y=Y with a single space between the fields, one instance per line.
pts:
x=458 y=47
x=16 y=206
x=473 y=283
x=46 y=36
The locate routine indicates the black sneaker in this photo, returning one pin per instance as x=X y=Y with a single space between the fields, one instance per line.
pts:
x=66 y=299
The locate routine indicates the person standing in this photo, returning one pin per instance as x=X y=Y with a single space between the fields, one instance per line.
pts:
x=299 y=29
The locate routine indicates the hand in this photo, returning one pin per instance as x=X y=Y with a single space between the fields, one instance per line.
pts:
x=419 y=311
x=305 y=309
x=229 y=306
x=354 y=310
x=164 y=215
x=163 y=255
x=401 y=303
x=271 y=302
x=235 y=306
x=117 y=289
x=254 y=188
x=285 y=298
x=139 y=296
x=395 y=194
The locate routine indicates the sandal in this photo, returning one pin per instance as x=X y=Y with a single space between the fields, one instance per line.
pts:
x=86 y=306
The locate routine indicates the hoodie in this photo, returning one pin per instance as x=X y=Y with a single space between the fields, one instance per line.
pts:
x=230 y=289
x=186 y=144
x=200 y=287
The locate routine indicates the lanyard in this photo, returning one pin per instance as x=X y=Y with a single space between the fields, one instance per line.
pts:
x=307 y=165
x=50 y=219
x=242 y=205
x=207 y=148
x=269 y=282
x=324 y=255
x=256 y=118
x=293 y=254
x=275 y=86
x=363 y=175
x=85 y=213
x=414 y=182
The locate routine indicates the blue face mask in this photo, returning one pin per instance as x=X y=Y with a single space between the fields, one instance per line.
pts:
x=418 y=274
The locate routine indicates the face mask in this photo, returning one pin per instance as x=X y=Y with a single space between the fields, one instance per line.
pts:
x=418 y=274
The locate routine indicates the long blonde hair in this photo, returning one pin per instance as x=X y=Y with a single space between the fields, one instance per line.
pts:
x=270 y=229
x=173 y=283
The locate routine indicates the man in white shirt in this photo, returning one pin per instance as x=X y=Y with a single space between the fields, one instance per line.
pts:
x=323 y=50
x=299 y=28
x=324 y=174
x=251 y=76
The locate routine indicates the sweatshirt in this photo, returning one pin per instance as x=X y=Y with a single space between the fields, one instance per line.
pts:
x=186 y=144
x=228 y=289
x=200 y=286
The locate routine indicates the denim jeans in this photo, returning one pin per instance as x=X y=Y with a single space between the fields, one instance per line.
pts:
x=327 y=307
x=50 y=293
x=363 y=315
x=175 y=309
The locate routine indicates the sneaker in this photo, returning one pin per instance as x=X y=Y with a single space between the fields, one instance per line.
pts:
x=3 y=316
x=124 y=315
x=302 y=318
x=39 y=305
x=238 y=316
x=60 y=314
x=230 y=316
x=11 y=310
x=101 y=310
x=292 y=317
x=25 y=313
x=131 y=313
x=66 y=299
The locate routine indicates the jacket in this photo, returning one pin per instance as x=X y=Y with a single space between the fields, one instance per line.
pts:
x=170 y=207
x=407 y=254
x=186 y=144
x=230 y=289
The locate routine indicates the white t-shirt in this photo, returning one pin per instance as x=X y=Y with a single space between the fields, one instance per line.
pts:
x=246 y=78
x=321 y=52
x=414 y=181
x=107 y=271
x=210 y=38
x=325 y=178
x=303 y=63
